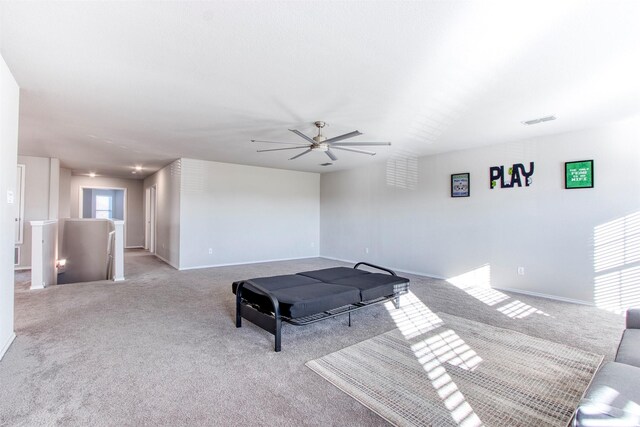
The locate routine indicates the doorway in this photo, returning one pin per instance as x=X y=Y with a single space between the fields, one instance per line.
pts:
x=150 y=220
x=104 y=203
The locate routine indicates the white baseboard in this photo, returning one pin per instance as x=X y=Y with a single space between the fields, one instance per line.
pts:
x=397 y=270
x=546 y=296
x=166 y=261
x=6 y=346
x=22 y=268
x=134 y=247
x=245 y=262
x=515 y=291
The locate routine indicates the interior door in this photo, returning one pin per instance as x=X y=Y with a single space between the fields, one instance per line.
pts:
x=147 y=217
x=152 y=219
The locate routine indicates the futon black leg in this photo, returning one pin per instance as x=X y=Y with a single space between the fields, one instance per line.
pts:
x=278 y=333
x=396 y=302
x=239 y=307
x=349 y=319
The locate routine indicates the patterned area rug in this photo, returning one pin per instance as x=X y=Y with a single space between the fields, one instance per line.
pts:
x=462 y=373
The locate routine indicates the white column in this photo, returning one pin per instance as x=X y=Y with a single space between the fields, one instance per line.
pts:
x=118 y=252
x=37 y=270
x=44 y=245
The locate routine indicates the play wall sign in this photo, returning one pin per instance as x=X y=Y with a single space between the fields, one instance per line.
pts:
x=515 y=176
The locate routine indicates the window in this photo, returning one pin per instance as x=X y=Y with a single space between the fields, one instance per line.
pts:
x=104 y=207
x=102 y=202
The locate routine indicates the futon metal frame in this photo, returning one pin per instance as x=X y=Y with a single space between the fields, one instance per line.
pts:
x=271 y=320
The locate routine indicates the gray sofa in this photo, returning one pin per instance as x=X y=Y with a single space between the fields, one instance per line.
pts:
x=613 y=397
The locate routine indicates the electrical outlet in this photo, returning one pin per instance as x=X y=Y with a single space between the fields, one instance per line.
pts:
x=210 y=251
x=520 y=271
x=313 y=245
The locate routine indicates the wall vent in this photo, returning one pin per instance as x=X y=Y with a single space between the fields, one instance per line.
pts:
x=540 y=120
x=16 y=256
x=326 y=164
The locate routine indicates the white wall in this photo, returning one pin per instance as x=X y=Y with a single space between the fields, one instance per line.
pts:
x=167 y=182
x=544 y=228
x=64 y=208
x=134 y=227
x=9 y=99
x=246 y=214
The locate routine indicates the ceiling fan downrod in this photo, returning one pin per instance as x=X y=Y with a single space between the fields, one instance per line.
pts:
x=319 y=138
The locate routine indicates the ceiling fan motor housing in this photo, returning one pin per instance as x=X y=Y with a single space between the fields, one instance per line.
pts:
x=319 y=138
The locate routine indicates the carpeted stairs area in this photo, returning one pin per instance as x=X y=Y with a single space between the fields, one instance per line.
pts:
x=161 y=348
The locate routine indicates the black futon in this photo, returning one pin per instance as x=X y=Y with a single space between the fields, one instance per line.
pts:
x=312 y=296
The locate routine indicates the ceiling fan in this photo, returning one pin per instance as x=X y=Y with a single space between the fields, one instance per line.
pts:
x=321 y=143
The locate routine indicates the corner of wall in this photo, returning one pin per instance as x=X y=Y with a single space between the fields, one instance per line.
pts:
x=9 y=117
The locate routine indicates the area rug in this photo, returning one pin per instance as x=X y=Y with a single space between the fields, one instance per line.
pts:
x=462 y=373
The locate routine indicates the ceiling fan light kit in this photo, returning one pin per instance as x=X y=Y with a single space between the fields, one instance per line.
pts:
x=322 y=144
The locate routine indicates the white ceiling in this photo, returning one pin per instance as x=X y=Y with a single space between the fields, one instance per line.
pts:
x=108 y=85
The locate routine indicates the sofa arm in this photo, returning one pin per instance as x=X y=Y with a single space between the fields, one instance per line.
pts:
x=633 y=318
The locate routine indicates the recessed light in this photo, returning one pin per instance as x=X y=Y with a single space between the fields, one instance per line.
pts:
x=138 y=168
x=92 y=174
x=540 y=120
x=133 y=172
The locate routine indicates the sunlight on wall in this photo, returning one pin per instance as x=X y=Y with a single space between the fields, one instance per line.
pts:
x=616 y=262
x=434 y=349
x=402 y=170
x=477 y=283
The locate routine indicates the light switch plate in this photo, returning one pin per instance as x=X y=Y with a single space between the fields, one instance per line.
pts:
x=10 y=197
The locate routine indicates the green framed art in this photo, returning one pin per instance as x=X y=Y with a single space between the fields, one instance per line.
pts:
x=578 y=174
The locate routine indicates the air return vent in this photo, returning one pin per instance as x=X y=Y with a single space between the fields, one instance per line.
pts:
x=326 y=164
x=16 y=256
x=540 y=120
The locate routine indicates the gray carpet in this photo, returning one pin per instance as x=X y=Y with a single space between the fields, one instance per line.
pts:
x=161 y=348
x=462 y=373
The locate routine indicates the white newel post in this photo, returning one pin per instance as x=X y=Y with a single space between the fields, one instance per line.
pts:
x=118 y=252
x=44 y=252
x=37 y=272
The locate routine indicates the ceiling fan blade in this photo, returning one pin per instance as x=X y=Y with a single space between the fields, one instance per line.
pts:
x=278 y=149
x=277 y=142
x=302 y=135
x=341 y=137
x=331 y=155
x=355 y=144
x=301 y=154
x=371 y=153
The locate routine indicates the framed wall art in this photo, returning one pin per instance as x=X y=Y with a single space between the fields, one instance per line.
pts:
x=460 y=185
x=578 y=174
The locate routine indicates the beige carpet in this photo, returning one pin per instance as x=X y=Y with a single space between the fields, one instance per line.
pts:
x=462 y=373
x=162 y=349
